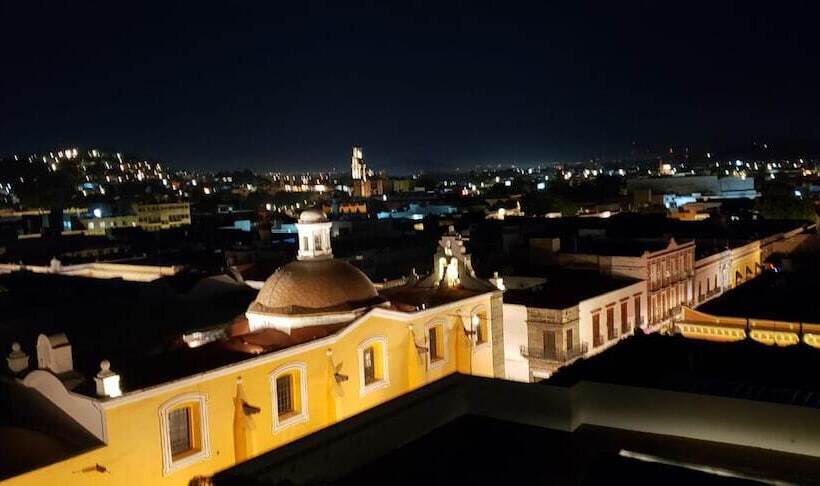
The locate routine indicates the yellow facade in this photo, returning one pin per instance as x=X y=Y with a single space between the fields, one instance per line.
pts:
x=699 y=325
x=99 y=226
x=746 y=263
x=333 y=390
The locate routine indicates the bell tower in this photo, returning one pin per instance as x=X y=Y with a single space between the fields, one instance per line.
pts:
x=358 y=168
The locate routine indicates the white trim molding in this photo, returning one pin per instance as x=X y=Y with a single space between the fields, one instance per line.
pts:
x=87 y=412
x=298 y=416
x=382 y=382
x=444 y=354
x=169 y=465
x=399 y=317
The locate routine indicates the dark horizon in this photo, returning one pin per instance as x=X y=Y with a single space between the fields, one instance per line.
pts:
x=427 y=86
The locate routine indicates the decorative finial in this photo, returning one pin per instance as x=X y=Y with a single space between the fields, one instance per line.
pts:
x=108 y=382
x=17 y=359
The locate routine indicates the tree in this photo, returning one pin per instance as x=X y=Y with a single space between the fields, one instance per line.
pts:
x=779 y=202
x=541 y=203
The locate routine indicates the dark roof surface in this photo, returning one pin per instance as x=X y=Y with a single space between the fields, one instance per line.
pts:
x=113 y=319
x=413 y=447
x=410 y=298
x=614 y=246
x=515 y=450
x=183 y=361
x=746 y=369
x=781 y=296
x=566 y=288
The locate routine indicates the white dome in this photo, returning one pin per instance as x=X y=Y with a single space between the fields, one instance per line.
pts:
x=312 y=216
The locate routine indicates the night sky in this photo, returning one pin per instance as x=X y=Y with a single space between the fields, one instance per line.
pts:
x=291 y=85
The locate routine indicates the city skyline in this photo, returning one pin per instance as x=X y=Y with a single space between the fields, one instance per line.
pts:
x=421 y=87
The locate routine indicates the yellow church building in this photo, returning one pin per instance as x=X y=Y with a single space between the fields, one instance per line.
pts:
x=318 y=344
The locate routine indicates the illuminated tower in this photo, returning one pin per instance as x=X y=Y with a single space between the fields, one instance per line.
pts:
x=357 y=165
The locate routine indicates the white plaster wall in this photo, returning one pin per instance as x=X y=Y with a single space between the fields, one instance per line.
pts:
x=585 y=308
x=517 y=367
x=85 y=411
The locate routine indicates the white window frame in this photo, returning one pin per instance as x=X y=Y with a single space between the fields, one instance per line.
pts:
x=478 y=310
x=439 y=362
x=299 y=416
x=384 y=381
x=169 y=465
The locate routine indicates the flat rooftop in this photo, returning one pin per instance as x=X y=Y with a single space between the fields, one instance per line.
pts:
x=566 y=288
x=524 y=454
x=124 y=322
x=594 y=245
x=745 y=369
x=780 y=296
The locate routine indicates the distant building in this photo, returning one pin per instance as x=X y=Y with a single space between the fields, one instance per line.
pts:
x=102 y=270
x=666 y=265
x=346 y=208
x=100 y=226
x=363 y=184
x=404 y=185
x=701 y=187
x=154 y=217
x=358 y=168
x=569 y=314
x=416 y=211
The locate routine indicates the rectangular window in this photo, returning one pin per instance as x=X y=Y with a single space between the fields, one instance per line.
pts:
x=610 y=323
x=637 y=310
x=432 y=337
x=596 y=329
x=549 y=345
x=284 y=394
x=624 y=317
x=569 y=339
x=179 y=429
x=369 y=360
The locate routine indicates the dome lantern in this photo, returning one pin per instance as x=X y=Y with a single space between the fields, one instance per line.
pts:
x=314 y=236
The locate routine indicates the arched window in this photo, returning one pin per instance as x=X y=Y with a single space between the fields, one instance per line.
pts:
x=289 y=395
x=184 y=431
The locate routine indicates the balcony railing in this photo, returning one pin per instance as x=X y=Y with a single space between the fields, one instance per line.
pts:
x=663 y=282
x=558 y=355
x=615 y=334
x=708 y=295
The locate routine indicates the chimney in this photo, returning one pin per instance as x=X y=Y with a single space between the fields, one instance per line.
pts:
x=108 y=382
x=17 y=359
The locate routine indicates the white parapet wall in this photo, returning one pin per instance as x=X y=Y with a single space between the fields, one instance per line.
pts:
x=129 y=272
